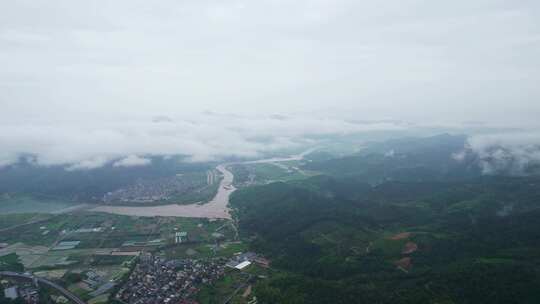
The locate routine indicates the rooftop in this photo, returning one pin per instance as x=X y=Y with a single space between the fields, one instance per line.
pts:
x=243 y=265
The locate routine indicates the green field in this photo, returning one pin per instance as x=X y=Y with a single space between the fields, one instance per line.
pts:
x=261 y=173
x=10 y=262
x=27 y=204
x=234 y=284
x=13 y=219
x=204 y=250
x=115 y=231
x=30 y=244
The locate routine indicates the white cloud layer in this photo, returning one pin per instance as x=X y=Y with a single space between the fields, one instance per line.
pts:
x=132 y=161
x=205 y=137
x=507 y=152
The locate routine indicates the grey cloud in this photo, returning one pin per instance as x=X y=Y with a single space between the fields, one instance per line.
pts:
x=413 y=60
x=79 y=79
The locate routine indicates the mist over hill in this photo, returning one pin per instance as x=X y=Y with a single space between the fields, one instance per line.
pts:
x=270 y=152
x=403 y=157
x=440 y=157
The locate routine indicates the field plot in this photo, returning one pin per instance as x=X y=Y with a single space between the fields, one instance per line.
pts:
x=86 y=233
x=28 y=255
x=262 y=173
x=90 y=253
x=11 y=262
x=16 y=219
x=51 y=274
x=26 y=204
x=235 y=286
x=202 y=251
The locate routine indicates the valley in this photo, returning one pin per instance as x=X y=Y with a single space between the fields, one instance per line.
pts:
x=405 y=227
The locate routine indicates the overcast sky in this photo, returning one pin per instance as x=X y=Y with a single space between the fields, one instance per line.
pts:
x=65 y=62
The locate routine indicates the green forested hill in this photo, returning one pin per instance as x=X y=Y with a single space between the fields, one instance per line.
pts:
x=406 y=159
x=342 y=241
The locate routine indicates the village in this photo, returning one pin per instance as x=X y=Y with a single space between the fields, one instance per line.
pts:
x=158 y=280
x=162 y=189
x=97 y=257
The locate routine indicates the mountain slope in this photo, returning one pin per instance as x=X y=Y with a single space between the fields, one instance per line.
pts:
x=475 y=241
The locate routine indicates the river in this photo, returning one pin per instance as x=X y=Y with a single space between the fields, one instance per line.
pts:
x=217 y=208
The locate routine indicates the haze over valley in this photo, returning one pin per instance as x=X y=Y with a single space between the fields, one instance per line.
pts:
x=269 y=152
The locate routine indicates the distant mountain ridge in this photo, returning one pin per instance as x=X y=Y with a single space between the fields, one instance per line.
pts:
x=408 y=159
x=441 y=157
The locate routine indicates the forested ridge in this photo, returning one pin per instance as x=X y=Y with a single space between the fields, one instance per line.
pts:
x=350 y=237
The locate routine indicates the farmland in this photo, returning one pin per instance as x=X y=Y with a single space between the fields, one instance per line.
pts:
x=106 y=245
x=247 y=174
x=14 y=204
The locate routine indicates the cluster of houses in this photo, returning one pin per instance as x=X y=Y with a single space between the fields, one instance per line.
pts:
x=146 y=191
x=28 y=292
x=157 y=280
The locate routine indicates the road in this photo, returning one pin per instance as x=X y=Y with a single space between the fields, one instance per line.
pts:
x=53 y=285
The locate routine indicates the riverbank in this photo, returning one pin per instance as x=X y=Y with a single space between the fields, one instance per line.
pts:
x=216 y=208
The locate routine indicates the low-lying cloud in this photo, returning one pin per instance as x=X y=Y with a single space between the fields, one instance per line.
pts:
x=206 y=137
x=90 y=144
x=132 y=161
x=514 y=153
